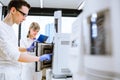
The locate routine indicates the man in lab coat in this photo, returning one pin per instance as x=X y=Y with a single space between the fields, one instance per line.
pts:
x=10 y=57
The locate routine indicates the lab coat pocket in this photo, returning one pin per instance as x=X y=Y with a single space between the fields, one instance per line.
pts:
x=2 y=76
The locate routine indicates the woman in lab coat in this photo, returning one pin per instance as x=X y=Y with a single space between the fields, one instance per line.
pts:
x=10 y=57
x=28 y=69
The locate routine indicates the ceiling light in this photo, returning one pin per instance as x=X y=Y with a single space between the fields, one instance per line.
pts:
x=81 y=5
x=41 y=3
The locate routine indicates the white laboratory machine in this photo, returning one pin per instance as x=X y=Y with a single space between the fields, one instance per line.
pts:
x=60 y=66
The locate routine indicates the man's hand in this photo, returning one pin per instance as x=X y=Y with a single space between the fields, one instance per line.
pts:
x=45 y=57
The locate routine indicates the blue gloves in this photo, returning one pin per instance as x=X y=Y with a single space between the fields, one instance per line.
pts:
x=31 y=47
x=45 y=57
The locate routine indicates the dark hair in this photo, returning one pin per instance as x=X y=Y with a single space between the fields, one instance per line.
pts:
x=17 y=4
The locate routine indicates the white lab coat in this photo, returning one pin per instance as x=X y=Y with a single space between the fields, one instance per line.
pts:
x=10 y=68
x=28 y=69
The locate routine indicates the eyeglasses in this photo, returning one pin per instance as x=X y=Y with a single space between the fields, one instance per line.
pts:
x=25 y=15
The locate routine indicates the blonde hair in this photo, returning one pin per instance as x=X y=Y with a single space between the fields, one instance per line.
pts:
x=34 y=26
